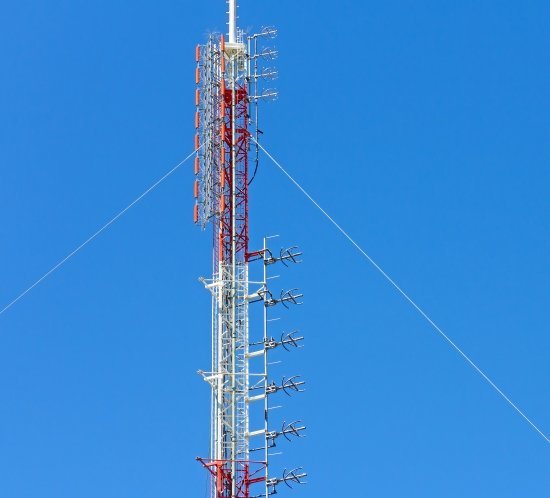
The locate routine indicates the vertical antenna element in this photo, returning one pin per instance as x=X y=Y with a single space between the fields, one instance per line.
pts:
x=232 y=21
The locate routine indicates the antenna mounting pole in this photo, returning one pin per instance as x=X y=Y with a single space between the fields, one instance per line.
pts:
x=232 y=21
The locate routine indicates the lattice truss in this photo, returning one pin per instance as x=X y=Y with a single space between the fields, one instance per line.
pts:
x=228 y=76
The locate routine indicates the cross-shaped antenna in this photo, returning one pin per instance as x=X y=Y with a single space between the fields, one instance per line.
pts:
x=265 y=53
x=287 y=430
x=266 y=73
x=291 y=341
x=288 y=341
x=287 y=385
x=268 y=31
x=290 y=296
x=292 y=429
x=290 y=255
x=265 y=94
x=289 y=476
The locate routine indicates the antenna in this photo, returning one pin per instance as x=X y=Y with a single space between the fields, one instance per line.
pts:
x=232 y=21
x=231 y=79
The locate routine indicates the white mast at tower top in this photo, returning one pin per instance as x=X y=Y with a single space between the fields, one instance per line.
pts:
x=232 y=21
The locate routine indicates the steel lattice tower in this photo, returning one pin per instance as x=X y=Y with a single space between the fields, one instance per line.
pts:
x=228 y=76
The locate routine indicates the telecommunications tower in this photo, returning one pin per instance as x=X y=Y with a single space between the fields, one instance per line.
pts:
x=230 y=79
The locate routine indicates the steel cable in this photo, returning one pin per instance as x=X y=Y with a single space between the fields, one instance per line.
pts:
x=98 y=232
x=406 y=296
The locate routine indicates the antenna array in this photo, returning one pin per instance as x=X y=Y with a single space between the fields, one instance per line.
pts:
x=231 y=81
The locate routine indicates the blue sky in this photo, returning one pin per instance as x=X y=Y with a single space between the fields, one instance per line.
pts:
x=422 y=127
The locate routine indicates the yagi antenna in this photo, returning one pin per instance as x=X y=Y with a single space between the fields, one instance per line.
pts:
x=295 y=476
x=288 y=341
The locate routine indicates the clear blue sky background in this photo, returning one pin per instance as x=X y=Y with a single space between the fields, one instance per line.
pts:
x=422 y=126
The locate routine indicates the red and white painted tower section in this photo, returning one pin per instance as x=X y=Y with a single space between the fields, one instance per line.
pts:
x=228 y=76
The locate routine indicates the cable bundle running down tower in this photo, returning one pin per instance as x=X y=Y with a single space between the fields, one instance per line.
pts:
x=229 y=78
